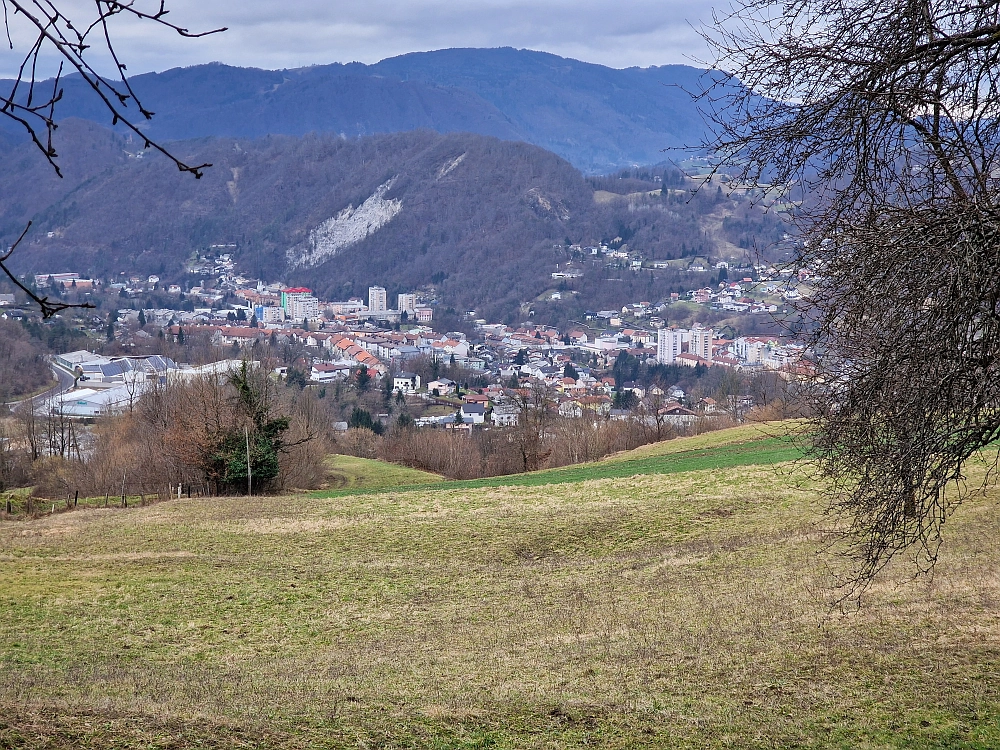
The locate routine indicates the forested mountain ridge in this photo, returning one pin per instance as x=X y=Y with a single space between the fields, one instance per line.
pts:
x=485 y=221
x=597 y=118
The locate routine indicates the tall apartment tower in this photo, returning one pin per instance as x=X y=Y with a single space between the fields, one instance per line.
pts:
x=701 y=342
x=668 y=345
x=289 y=296
x=376 y=299
x=406 y=303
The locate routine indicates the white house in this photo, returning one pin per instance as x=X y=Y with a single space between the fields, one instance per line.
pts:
x=570 y=409
x=406 y=382
x=505 y=415
x=473 y=413
x=327 y=373
x=677 y=415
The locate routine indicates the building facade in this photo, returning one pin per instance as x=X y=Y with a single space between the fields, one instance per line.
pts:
x=299 y=303
x=406 y=303
x=377 y=299
x=668 y=345
x=305 y=308
x=701 y=342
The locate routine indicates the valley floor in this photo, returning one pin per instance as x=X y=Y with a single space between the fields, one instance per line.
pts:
x=619 y=609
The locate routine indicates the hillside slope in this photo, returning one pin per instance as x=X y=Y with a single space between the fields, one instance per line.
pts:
x=689 y=610
x=748 y=445
x=400 y=210
x=486 y=221
x=596 y=117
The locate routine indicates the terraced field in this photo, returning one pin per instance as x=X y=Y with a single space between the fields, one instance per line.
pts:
x=678 y=596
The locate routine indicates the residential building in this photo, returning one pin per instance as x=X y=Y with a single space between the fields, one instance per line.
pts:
x=406 y=382
x=268 y=314
x=505 y=415
x=406 y=303
x=570 y=409
x=473 y=413
x=328 y=373
x=304 y=308
x=753 y=349
x=678 y=416
x=299 y=303
x=668 y=345
x=351 y=307
x=441 y=387
x=701 y=342
x=377 y=299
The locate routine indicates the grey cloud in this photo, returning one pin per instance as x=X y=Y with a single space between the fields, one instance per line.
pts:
x=294 y=33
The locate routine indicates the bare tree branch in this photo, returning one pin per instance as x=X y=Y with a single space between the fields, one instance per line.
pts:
x=71 y=40
x=48 y=308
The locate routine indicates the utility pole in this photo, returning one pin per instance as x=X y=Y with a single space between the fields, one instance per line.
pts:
x=246 y=431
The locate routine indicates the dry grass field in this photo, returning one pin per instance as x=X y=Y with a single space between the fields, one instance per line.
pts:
x=689 y=609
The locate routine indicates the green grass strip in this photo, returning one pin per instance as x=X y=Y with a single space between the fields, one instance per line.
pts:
x=767 y=451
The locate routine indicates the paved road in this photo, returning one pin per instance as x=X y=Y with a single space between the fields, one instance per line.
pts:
x=65 y=383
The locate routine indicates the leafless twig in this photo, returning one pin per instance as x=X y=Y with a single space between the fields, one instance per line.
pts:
x=48 y=308
x=72 y=40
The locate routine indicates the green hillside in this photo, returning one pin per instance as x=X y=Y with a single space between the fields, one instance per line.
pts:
x=689 y=608
x=738 y=446
x=365 y=474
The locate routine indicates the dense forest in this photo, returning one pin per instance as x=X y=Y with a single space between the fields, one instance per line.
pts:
x=483 y=222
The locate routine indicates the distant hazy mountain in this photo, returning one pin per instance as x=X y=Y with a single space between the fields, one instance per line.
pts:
x=484 y=220
x=597 y=118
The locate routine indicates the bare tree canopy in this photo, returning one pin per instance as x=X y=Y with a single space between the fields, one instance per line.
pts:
x=78 y=39
x=885 y=117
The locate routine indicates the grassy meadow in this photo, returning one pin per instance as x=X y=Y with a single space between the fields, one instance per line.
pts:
x=681 y=601
x=364 y=474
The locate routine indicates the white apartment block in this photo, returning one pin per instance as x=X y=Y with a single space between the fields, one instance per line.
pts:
x=269 y=314
x=377 y=299
x=304 y=308
x=350 y=307
x=701 y=342
x=668 y=345
x=752 y=350
x=406 y=303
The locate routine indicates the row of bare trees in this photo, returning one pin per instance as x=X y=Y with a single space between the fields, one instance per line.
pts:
x=542 y=438
x=224 y=434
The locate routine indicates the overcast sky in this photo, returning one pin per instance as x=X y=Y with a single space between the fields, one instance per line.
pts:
x=296 y=33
